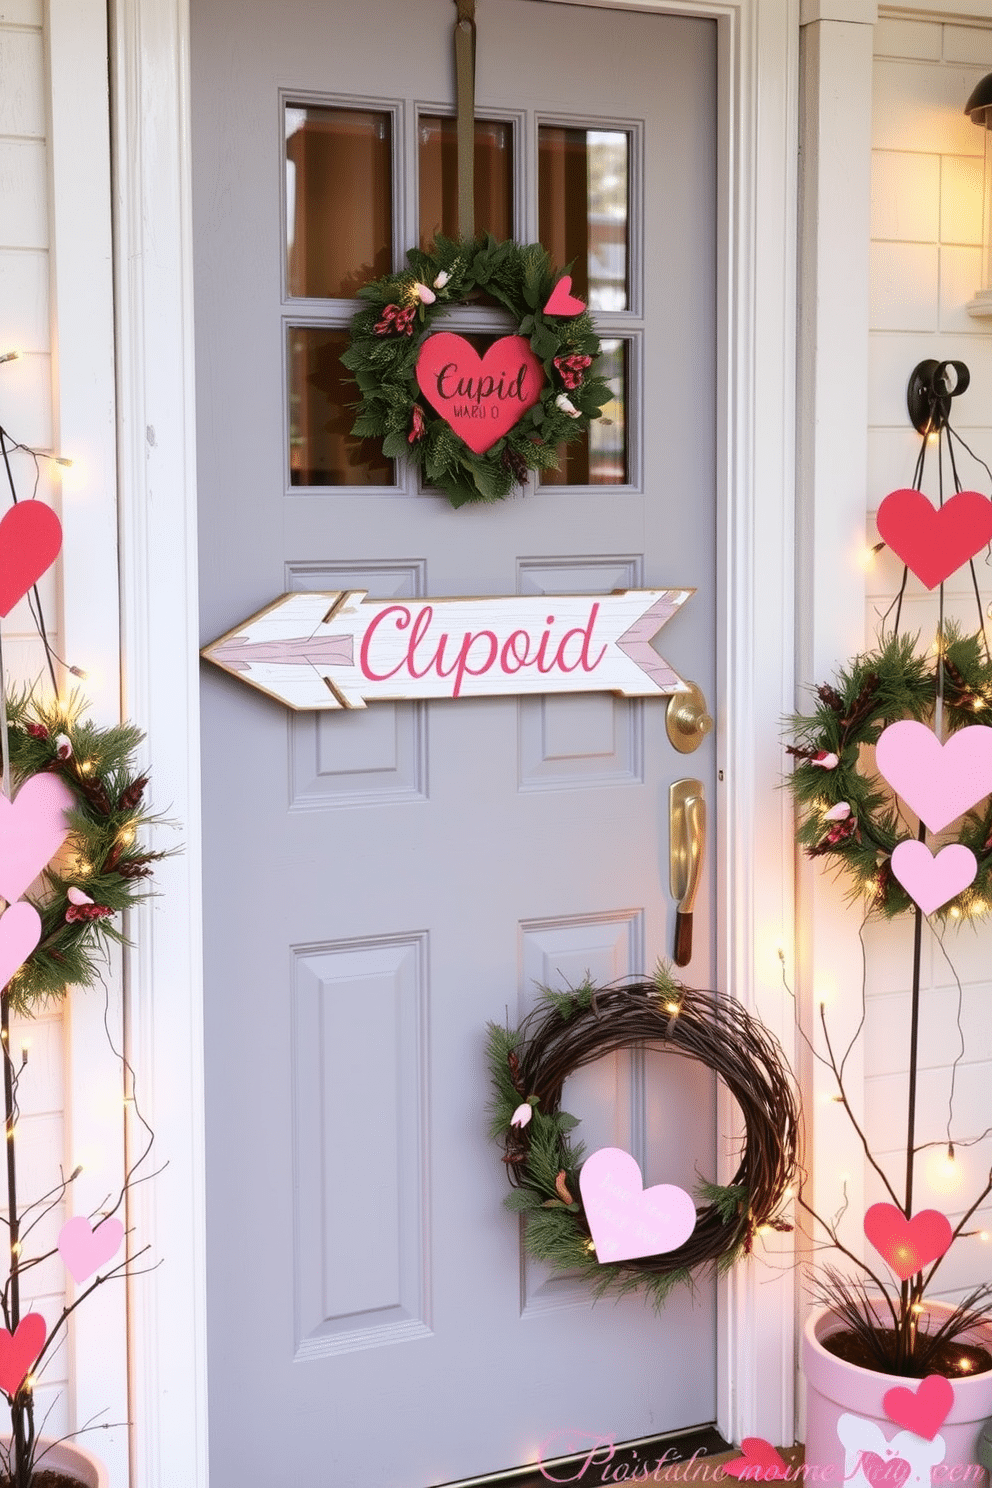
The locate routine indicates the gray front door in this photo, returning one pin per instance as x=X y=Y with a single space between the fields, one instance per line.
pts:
x=378 y=885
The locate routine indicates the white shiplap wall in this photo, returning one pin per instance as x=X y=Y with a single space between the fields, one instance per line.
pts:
x=26 y=414
x=925 y=267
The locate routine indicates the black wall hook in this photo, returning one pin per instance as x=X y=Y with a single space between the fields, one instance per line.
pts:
x=932 y=385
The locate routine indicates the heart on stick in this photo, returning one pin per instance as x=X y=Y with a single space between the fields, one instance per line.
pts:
x=481 y=398
x=561 y=300
x=935 y=541
x=30 y=539
x=32 y=829
x=625 y=1218
x=760 y=1461
x=20 y=1349
x=892 y=1472
x=908 y=1245
x=20 y=932
x=938 y=781
x=931 y=881
x=922 y=1411
x=85 y=1249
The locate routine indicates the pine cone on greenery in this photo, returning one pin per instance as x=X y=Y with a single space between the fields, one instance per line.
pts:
x=131 y=798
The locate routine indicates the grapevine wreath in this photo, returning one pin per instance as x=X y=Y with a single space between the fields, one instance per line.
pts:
x=102 y=867
x=530 y=1064
x=388 y=338
x=847 y=815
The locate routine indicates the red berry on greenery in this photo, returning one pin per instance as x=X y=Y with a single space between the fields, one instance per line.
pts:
x=37 y=730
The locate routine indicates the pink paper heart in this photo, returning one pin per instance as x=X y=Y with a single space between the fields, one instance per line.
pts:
x=18 y=1351
x=908 y=1244
x=934 y=541
x=561 y=300
x=20 y=932
x=761 y=1462
x=892 y=1471
x=938 y=781
x=84 y=1249
x=30 y=539
x=32 y=829
x=931 y=881
x=923 y=1411
x=480 y=397
x=625 y=1218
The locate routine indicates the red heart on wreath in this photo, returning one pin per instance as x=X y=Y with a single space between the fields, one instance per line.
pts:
x=480 y=397
x=561 y=300
x=935 y=541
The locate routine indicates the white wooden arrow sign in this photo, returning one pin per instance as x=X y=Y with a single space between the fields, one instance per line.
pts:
x=341 y=650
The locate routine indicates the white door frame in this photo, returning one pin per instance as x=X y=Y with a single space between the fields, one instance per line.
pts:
x=758 y=132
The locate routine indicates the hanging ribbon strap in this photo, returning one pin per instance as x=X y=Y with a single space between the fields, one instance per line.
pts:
x=465 y=99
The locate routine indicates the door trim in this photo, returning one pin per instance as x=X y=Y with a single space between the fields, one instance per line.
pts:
x=757 y=187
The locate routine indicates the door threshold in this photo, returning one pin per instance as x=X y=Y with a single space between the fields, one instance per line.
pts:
x=678 y=1457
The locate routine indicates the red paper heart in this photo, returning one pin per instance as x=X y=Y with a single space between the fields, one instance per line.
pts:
x=18 y=1351
x=761 y=1460
x=907 y=1244
x=933 y=541
x=480 y=397
x=924 y=1411
x=892 y=1472
x=561 y=300
x=30 y=539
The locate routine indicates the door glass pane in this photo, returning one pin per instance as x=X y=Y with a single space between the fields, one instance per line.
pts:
x=322 y=452
x=339 y=200
x=582 y=202
x=439 y=178
x=601 y=458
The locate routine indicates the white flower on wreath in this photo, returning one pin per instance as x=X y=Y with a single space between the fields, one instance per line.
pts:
x=564 y=402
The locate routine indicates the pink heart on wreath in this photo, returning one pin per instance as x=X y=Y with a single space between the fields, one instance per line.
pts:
x=32 y=829
x=935 y=541
x=937 y=781
x=481 y=398
x=561 y=300
x=922 y=1411
x=931 y=881
x=908 y=1244
x=20 y=932
x=625 y=1218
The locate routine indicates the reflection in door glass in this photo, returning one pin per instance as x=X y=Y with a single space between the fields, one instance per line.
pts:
x=339 y=200
x=582 y=195
x=601 y=458
x=322 y=452
x=439 y=178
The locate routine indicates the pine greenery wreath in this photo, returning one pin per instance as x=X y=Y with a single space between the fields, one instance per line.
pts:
x=102 y=862
x=401 y=309
x=847 y=814
x=528 y=1068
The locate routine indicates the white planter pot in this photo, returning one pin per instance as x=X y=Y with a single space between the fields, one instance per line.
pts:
x=74 y=1461
x=845 y=1417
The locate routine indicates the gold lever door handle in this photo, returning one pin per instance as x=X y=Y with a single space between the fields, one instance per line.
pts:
x=687 y=847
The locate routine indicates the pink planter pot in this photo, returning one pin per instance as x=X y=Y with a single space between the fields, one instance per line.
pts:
x=846 y=1422
x=75 y=1462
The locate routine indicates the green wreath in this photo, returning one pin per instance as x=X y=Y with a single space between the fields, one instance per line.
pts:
x=386 y=338
x=567 y=1030
x=102 y=867
x=847 y=815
